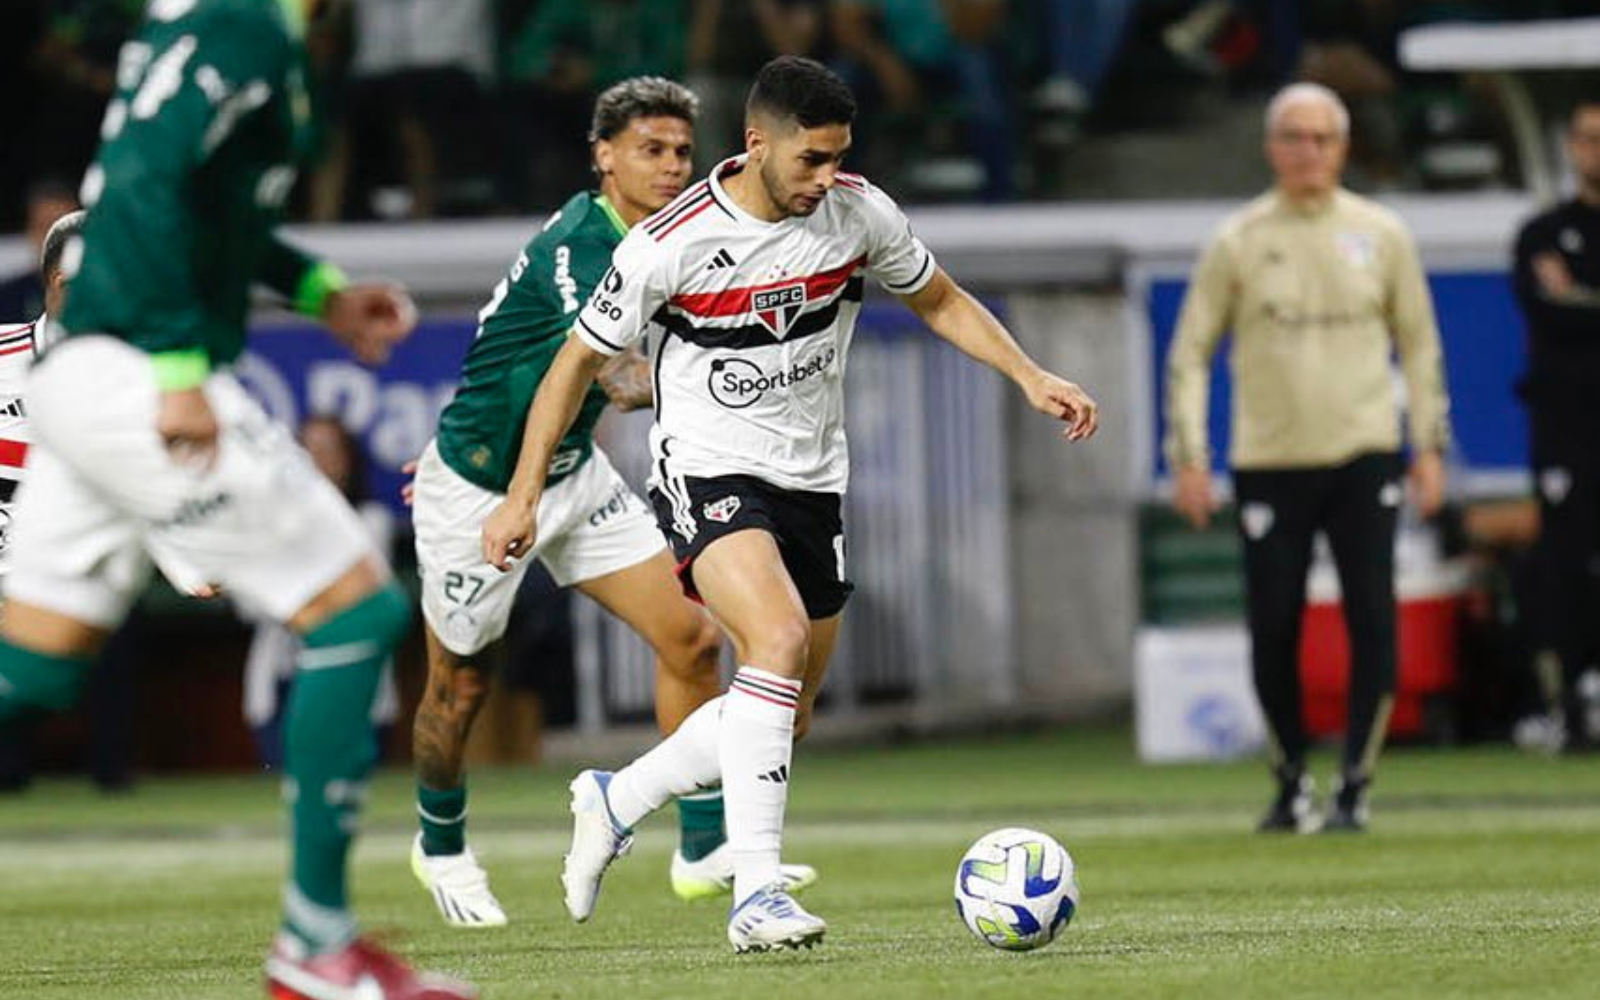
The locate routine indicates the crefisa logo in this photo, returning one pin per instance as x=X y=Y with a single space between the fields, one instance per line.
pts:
x=737 y=382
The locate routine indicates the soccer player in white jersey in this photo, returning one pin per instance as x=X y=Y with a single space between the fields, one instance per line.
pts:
x=748 y=286
x=19 y=345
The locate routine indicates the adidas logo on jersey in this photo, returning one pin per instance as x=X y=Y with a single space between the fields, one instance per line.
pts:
x=777 y=776
x=720 y=260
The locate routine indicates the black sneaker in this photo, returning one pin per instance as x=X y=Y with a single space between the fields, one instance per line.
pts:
x=1292 y=811
x=1347 y=813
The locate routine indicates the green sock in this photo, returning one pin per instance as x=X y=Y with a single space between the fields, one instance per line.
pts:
x=444 y=820
x=700 y=824
x=31 y=682
x=328 y=749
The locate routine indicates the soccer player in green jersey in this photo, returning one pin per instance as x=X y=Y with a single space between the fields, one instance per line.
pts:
x=601 y=537
x=148 y=448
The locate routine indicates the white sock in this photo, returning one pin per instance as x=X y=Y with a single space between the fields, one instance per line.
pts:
x=682 y=763
x=756 y=739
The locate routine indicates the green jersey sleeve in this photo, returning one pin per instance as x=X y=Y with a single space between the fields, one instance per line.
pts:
x=184 y=86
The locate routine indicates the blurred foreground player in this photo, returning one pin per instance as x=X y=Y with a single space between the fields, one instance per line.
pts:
x=148 y=448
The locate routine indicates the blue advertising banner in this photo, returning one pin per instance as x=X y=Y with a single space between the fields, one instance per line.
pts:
x=1484 y=351
x=297 y=370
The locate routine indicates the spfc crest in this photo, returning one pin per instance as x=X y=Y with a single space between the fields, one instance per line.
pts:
x=778 y=308
x=721 y=511
x=1257 y=520
x=1358 y=249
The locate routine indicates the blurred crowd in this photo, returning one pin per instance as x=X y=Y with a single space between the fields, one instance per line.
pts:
x=479 y=107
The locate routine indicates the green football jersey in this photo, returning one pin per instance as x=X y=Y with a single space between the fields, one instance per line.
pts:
x=200 y=147
x=519 y=332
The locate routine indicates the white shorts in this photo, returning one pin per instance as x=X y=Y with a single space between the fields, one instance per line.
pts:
x=589 y=524
x=104 y=496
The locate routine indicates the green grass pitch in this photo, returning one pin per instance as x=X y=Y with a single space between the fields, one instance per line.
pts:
x=1480 y=879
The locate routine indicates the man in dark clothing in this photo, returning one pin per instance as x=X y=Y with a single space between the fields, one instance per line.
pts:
x=1557 y=281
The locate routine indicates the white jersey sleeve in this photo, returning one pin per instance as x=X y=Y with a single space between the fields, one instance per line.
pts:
x=633 y=289
x=896 y=259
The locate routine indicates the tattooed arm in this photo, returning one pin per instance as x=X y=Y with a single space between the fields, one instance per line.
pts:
x=626 y=379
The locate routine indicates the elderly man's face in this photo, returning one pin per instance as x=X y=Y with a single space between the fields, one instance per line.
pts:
x=1306 y=148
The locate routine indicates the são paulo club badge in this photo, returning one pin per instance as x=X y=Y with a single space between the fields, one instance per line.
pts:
x=778 y=308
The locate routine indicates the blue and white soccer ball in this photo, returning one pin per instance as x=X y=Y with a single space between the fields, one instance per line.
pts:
x=1016 y=889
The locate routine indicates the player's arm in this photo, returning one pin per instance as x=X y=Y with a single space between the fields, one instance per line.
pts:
x=1545 y=288
x=177 y=106
x=951 y=312
x=369 y=318
x=1207 y=310
x=611 y=322
x=509 y=530
x=1416 y=336
x=626 y=380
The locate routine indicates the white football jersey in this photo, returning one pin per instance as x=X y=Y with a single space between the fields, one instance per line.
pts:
x=19 y=344
x=748 y=324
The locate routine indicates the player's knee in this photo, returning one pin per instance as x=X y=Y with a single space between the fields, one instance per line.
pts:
x=390 y=608
x=469 y=688
x=695 y=650
x=782 y=648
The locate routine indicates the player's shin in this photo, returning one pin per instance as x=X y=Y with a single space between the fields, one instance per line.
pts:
x=683 y=763
x=755 y=744
x=330 y=749
x=32 y=682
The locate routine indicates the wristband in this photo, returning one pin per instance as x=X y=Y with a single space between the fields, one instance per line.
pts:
x=319 y=282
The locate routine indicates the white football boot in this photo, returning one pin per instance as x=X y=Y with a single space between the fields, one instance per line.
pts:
x=596 y=842
x=712 y=875
x=459 y=886
x=770 y=919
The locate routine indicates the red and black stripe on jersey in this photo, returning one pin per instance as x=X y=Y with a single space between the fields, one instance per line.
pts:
x=679 y=316
x=17 y=339
x=680 y=210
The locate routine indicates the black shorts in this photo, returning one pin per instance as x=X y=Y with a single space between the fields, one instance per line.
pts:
x=695 y=512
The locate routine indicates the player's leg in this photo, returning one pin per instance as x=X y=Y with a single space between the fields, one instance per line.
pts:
x=695 y=756
x=302 y=556
x=1362 y=514
x=466 y=605
x=1277 y=525
x=688 y=646
x=1566 y=475
x=744 y=581
x=75 y=557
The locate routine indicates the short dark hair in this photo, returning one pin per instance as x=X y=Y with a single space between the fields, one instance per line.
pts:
x=640 y=97
x=801 y=89
x=55 y=242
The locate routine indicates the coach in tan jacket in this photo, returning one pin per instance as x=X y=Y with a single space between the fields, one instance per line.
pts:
x=1320 y=289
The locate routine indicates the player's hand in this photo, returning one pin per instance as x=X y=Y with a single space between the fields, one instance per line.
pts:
x=508 y=534
x=1427 y=482
x=1192 y=497
x=187 y=427
x=1053 y=395
x=408 y=489
x=371 y=319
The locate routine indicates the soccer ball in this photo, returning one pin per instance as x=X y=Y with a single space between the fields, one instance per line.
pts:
x=1016 y=889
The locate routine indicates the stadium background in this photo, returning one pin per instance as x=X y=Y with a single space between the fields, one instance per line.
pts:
x=1003 y=578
